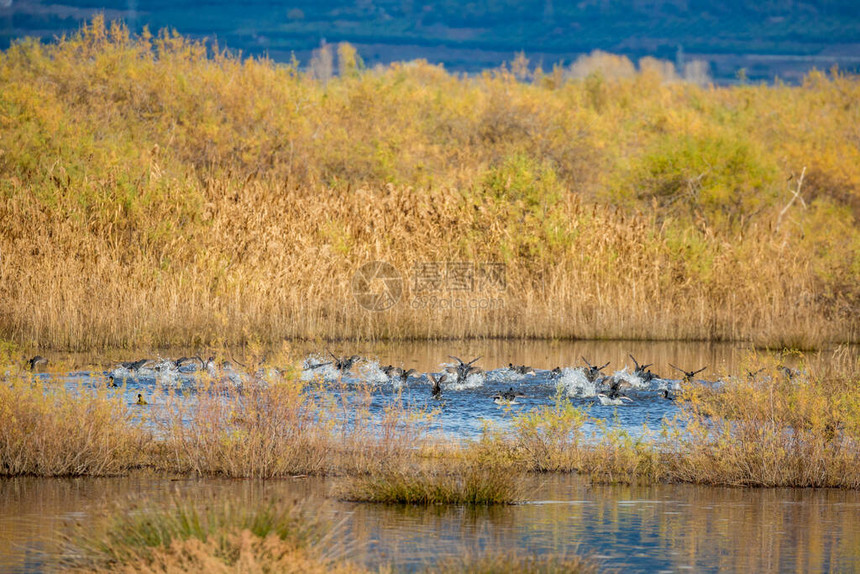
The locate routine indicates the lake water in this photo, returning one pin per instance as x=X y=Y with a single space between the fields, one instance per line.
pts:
x=633 y=529
x=661 y=528
x=466 y=405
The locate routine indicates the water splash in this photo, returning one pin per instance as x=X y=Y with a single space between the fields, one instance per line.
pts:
x=506 y=375
x=314 y=367
x=121 y=373
x=632 y=380
x=169 y=379
x=371 y=372
x=473 y=381
x=574 y=383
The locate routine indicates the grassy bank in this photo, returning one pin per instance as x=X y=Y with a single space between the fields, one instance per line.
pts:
x=154 y=191
x=771 y=427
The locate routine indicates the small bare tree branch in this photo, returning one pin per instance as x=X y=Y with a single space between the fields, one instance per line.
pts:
x=795 y=194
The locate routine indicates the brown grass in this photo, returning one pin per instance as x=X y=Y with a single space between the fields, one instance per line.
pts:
x=772 y=430
x=763 y=429
x=285 y=429
x=212 y=536
x=54 y=432
x=552 y=439
x=244 y=552
x=476 y=484
x=141 y=207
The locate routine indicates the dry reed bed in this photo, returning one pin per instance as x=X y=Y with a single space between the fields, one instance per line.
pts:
x=54 y=432
x=287 y=429
x=765 y=429
x=152 y=193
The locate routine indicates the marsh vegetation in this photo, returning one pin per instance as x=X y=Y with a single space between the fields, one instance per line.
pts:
x=158 y=191
x=773 y=426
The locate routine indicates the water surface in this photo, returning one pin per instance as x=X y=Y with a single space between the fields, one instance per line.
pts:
x=629 y=528
x=656 y=528
x=465 y=405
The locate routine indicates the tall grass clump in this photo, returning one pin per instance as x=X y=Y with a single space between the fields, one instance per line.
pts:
x=285 y=427
x=463 y=483
x=550 y=438
x=215 y=535
x=553 y=438
x=239 y=196
x=773 y=427
x=61 y=432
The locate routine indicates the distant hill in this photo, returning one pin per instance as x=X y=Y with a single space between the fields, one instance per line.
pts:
x=767 y=39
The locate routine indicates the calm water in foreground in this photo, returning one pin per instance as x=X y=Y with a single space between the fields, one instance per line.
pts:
x=632 y=529
x=663 y=528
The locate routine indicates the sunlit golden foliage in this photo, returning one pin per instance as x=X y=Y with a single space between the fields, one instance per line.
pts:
x=553 y=439
x=773 y=427
x=287 y=428
x=56 y=432
x=157 y=191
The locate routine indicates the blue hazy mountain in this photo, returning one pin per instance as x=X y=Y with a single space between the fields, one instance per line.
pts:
x=766 y=37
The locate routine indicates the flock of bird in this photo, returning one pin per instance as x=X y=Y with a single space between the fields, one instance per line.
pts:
x=611 y=389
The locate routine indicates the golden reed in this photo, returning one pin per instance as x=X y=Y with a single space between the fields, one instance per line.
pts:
x=154 y=192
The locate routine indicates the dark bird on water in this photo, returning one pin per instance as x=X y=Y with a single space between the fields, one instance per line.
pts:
x=593 y=372
x=137 y=365
x=508 y=397
x=462 y=369
x=437 y=384
x=615 y=387
x=606 y=400
x=521 y=369
x=343 y=364
x=398 y=372
x=642 y=371
x=37 y=362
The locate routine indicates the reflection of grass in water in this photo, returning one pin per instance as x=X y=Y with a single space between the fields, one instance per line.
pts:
x=243 y=201
x=506 y=562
